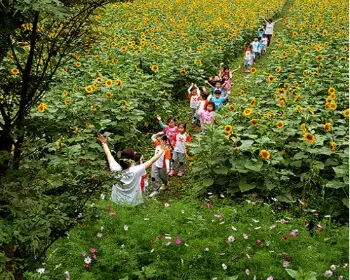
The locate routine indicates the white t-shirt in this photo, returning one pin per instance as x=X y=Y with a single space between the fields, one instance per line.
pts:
x=248 y=55
x=128 y=191
x=269 y=28
x=264 y=41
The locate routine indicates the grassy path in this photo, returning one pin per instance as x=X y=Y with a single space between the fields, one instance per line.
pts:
x=178 y=186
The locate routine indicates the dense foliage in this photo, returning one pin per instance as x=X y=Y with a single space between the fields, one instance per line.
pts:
x=285 y=133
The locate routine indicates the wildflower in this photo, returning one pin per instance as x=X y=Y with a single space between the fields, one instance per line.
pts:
x=14 y=71
x=231 y=107
x=206 y=249
x=252 y=102
x=126 y=227
x=272 y=227
x=87 y=260
x=183 y=72
x=285 y=264
x=228 y=129
x=224 y=266
x=259 y=243
x=284 y=237
x=99 y=235
x=252 y=70
x=40 y=270
x=89 y=89
x=166 y=204
x=292 y=234
x=67 y=275
x=233 y=228
x=331 y=90
x=108 y=207
x=83 y=254
x=269 y=278
x=178 y=241
x=280 y=124
x=319 y=228
x=264 y=154
x=346 y=113
x=230 y=239
x=247 y=112
x=77 y=64
x=308 y=137
x=247 y=272
x=109 y=94
x=270 y=78
x=328 y=274
x=93 y=107
x=333 y=267
x=41 y=108
x=119 y=83
x=278 y=69
x=112 y=214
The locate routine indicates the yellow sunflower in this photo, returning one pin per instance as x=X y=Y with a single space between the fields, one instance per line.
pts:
x=252 y=102
x=327 y=127
x=228 y=129
x=264 y=154
x=124 y=102
x=254 y=122
x=14 y=71
x=77 y=64
x=270 y=78
x=332 y=146
x=303 y=127
x=279 y=124
x=108 y=83
x=119 y=83
x=109 y=94
x=183 y=72
x=299 y=109
x=232 y=107
x=331 y=90
x=278 y=69
x=329 y=100
x=308 y=137
x=247 y=112
x=333 y=96
x=42 y=107
x=154 y=68
x=66 y=101
x=65 y=92
x=305 y=72
x=346 y=113
x=252 y=70
x=332 y=105
x=93 y=107
x=89 y=89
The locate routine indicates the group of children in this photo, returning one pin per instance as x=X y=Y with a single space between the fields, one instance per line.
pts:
x=255 y=49
x=203 y=104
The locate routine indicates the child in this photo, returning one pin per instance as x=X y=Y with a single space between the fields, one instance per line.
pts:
x=261 y=32
x=144 y=178
x=161 y=167
x=255 y=45
x=169 y=129
x=264 y=44
x=207 y=116
x=218 y=86
x=181 y=138
x=194 y=94
x=202 y=104
x=226 y=71
x=247 y=59
x=218 y=100
x=260 y=42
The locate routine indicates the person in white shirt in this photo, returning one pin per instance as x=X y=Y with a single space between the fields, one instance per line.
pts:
x=264 y=44
x=248 y=57
x=269 y=28
x=127 y=190
x=255 y=49
x=194 y=94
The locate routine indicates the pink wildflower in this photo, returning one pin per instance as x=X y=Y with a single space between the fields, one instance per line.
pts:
x=284 y=237
x=108 y=207
x=217 y=215
x=83 y=254
x=210 y=206
x=285 y=264
x=160 y=237
x=230 y=239
x=269 y=278
x=292 y=234
x=112 y=214
x=99 y=235
x=259 y=243
x=92 y=250
x=178 y=240
x=247 y=272
x=319 y=228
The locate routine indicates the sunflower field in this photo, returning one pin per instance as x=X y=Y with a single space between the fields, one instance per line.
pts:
x=286 y=132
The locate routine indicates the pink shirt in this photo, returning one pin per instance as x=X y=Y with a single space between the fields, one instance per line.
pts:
x=170 y=132
x=207 y=117
x=227 y=85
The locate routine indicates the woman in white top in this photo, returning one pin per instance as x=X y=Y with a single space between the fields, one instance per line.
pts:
x=269 y=28
x=128 y=190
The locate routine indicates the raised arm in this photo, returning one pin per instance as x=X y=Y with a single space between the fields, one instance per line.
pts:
x=149 y=163
x=162 y=125
x=113 y=164
x=278 y=20
x=236 y=69
x=189 y=89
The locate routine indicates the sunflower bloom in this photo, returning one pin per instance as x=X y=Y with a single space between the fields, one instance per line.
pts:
x=42 y=107
x=299 y=109
x=346 y=113
x=303 y=127
x=254 y=122
x=252 y=102
x=14 y=71
x=331 y=90
x=77 y=64
x=109 y=94
x=333 y=96
x=247 y=112
x=89 y=89
x=310 y=110
x=332 y=105
x=264 y=154
x=66 y=101
x=119 y=83
x=278 y=69
x=108 y=83
x=154 y=68
x=232 y=107
x=183 y=72
x=252 y=70
x=327 y=127
x=279 y=124
x=308 y=137
x=228 y=129
x=93 y=107
x=270 y=78
x=65 y=92
x=332 y=146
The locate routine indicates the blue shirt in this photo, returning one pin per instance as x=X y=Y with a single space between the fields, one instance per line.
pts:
x=261 y=33
x=218 y=102
x=221 y=89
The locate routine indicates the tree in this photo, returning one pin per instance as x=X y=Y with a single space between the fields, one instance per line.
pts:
x=40 y=203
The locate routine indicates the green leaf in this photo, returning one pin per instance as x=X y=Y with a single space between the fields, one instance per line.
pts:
x=207 y=182
x=346 y=201
x=232 y=278
x=335 y=184
x=293 y=273
x=246 y=144
x=244 y=186
x=254 y=166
